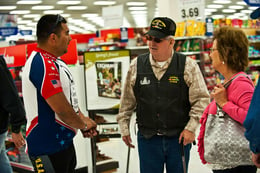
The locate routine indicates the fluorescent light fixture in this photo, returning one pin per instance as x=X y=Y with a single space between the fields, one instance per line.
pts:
x=138 y=12
x=137 y=8
x=32 y=24
x=20 y=12
x=238 y=7
x=24 y=21
x=65 y=15
x=53 y=12
x=76 y=7
x=238 y=14
x=28 y=2
x=104 y=2
x=214 y=6
x=74 y=2
x=210 y=10
x=241 y=3
x=89 y=15
x=217 y=16
x=228 y=10
x=222 y=2
x=42 y=7
x=252 y=8
x=136 y=3
x=207 y=13
x=231 y=17
x=9 y=7
x=246 y=11
x=31 y=15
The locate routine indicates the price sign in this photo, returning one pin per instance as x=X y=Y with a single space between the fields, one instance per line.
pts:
x=191 y=9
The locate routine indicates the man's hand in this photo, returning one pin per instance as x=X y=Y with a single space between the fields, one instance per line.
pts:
x=188 y=137
x=256 y=159
x=18 y=139
x=91 y=128
x=128 y=141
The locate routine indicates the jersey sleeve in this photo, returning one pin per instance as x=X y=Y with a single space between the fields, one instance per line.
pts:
x=45 y=76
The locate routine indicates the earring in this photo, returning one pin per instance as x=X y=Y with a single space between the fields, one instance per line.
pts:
x=223 y=62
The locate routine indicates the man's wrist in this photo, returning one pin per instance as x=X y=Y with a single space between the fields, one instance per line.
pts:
x=85 y=128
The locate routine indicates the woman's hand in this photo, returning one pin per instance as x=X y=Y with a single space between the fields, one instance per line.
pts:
x=220 y=95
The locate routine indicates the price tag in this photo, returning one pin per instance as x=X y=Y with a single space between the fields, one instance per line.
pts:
x=191 y=9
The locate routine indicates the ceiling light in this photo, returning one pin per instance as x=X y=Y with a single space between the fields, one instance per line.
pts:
x=252 y=8
x=89 y=15
x=53 y=12
x=76 y=7
x=7 y=7
x=207 y=13
x=228 y=10
x=104 y=2
x=24 y=21
x=65 y=15
x=28 y=2
x=236 y=7
x=69 y=2
x=222 y=2
x=136 y=3
x=246 y=11
x=138 y=12
x=20 y=12
x=210 y=10
x=42 y=7
x=31 y=15
x=215 y=6
x=241 y=3
x=218 y=16
x=137 y=8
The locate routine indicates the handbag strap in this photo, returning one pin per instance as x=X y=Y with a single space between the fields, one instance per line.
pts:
x=226 y=85
x=229 y=82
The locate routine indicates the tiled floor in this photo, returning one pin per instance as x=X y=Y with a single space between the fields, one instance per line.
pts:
x=116 y=149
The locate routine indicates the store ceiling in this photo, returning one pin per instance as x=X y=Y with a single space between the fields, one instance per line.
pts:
x=85 y=24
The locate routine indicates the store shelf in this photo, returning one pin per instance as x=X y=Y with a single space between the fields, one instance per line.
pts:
x=193 y=37
x=106 y=165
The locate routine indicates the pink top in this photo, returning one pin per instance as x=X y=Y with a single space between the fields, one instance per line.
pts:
x=239 y=94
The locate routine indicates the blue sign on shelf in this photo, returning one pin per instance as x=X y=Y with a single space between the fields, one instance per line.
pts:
x=7 y=31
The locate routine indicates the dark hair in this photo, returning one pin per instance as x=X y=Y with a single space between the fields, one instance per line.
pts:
x=49 y=24
x=232 y=45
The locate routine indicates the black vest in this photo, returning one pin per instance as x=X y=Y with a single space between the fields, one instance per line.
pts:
x=162 y=105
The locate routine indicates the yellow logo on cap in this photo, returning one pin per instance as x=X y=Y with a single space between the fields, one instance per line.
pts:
x=158 y=24
x=173 y=79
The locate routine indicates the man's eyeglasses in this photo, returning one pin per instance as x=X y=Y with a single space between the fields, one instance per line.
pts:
x=157 y=40
x=212 y=50
x=58 y=20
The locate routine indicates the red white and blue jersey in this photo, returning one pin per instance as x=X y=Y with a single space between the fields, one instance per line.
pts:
x=44 y=75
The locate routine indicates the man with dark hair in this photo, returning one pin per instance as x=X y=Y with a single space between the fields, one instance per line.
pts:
x=51 y=102
x=169 y=94
x=11 y=108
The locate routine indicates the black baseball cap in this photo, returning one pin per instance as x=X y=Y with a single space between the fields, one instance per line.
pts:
x=255 y=14
x=162 y=27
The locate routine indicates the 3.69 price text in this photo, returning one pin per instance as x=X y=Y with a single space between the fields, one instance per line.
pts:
x=189 y=13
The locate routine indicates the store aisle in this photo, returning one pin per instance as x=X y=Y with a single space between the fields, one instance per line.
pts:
x=116 y=149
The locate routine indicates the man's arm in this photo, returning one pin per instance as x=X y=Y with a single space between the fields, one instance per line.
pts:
x=59 y=104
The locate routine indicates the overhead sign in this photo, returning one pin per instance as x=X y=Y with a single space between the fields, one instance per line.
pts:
x=8 y=25
x=191 y=9
x=113 y=16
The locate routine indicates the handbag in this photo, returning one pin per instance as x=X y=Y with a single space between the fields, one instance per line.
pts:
x=224 y=140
